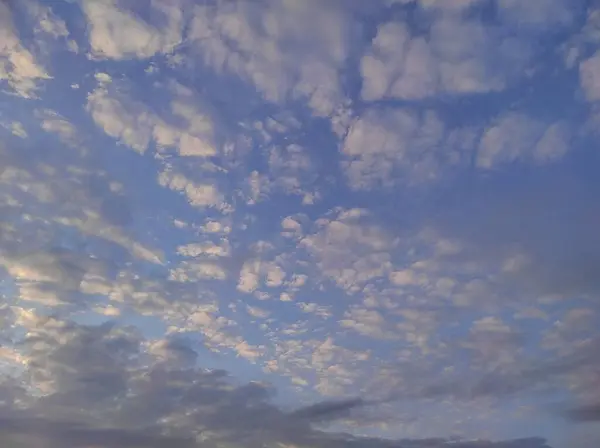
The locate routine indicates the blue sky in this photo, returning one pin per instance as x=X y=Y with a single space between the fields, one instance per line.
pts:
x=300 y=223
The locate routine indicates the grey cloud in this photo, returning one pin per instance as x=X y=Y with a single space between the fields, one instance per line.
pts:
x=533 y=442
x=36 y=432
x=104 y=388
x=326 y=410
x=115 y=208
x=589 y=413
x=550 y=216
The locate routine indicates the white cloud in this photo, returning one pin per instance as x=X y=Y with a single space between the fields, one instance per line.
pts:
x=191 y=271
x=517 y=136
x=456 y=5
x=36 y=293
x=195 y=138
x=48 y=22
x=589 y=72
x=275 y=275
x=291 y=227
x=93 y=224
x=136 y=125
x=17 y=65
x=257 y=312
x=455 y=58
x=316 y=309
x=349 y=249
x=397 y=66
x=346 y=274
x=366 y=322
x=217 y=331
x=231 y=39
x=108 y=310
x=207 y=249
x=123 y=119
x=118 y=33
x=405 y=277
x=554 y=143
x=16 y=128
x=255 y=272
x=198 y=195
x=383 y=145
x=249 y=277
x=291 y=169
x=538 y=14
x=215 y=227
x=257 y=187
x=103 y=78
x=53 y=122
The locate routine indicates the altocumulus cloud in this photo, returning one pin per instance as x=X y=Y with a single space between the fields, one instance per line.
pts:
x=299 y=223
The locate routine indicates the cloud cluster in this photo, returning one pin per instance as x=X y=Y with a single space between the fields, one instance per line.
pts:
x=337 y=223
x=107 y=385
x=18 y=66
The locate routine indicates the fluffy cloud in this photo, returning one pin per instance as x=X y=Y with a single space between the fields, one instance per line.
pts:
x=589 y=71
x=253 y=41
x=198 y=195
x=48 y=22
x=454 y=58
x=135 y=123
x=128 y=121
x=384 y=147
x=118 y=31
x=348 y=248
x=541 y=15
x=421 y=263
x=522 y=231
x=517 y=136
x=458 y=55
x=18 y=66
x=162 y=399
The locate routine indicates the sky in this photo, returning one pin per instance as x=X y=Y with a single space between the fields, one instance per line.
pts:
x=299 y=223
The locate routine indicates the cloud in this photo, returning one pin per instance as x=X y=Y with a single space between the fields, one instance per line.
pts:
x=389 y=201
x=151 y=393
x=590 y=413
x=453 y=57
x=349 y=248
x=52 y=122
x=327 y=409
x=118 y=32
x=188 y=271
x=18 y=66
x=519 y=137
x=38 y=431
x=367 y=322
x=589 y=72
x=198 y=195
x=136 y=124
x=389 y=146
x=63 y=197
x=47 y=21
x=521 y=230
x=123 y=119
x=229 y=38
x=539 y=15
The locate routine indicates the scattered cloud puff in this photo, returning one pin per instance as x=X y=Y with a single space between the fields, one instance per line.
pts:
x=299 y=224
x=517 y=136
x=18 y=66
x=455 y=57
x=118 y=31
x=254 y=42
